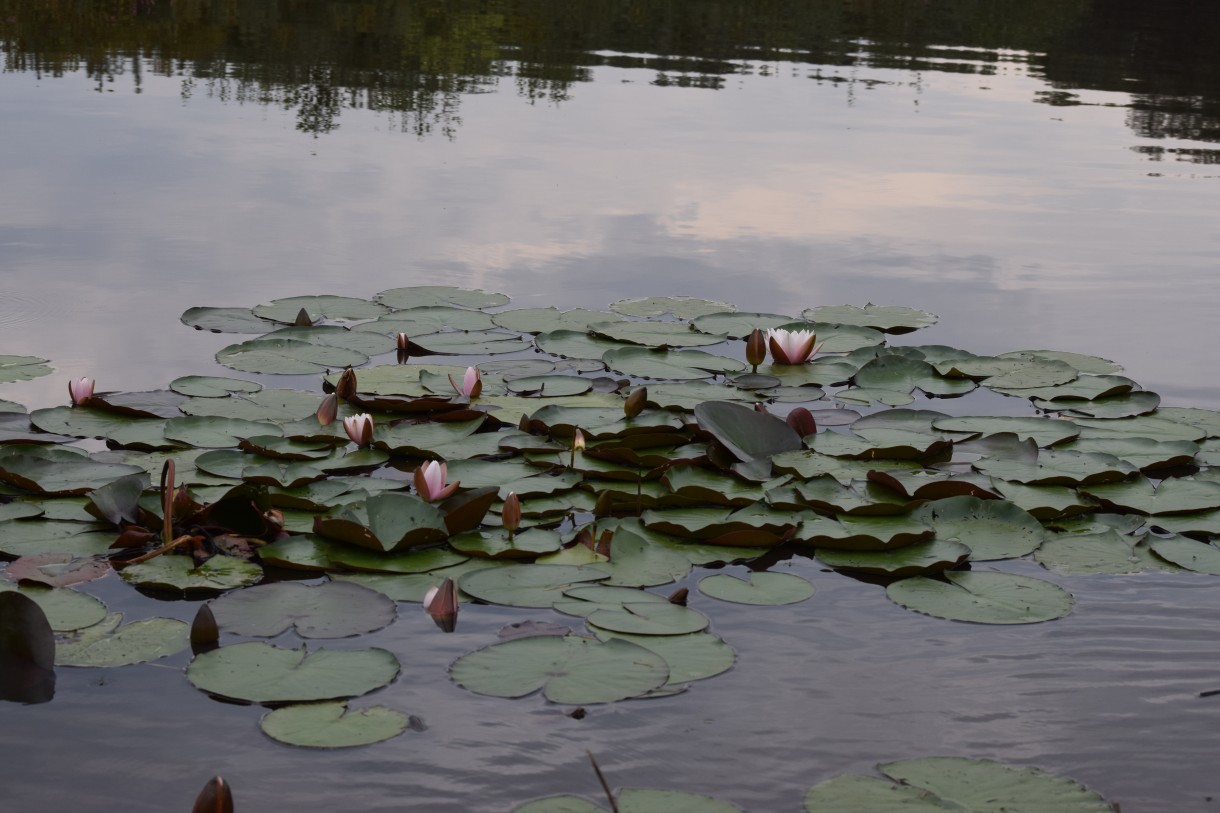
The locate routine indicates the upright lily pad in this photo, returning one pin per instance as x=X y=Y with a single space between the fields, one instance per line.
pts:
x=328 y=610
x=333 y=725
x=983 y=597
x=567 y=669
x=255 y=672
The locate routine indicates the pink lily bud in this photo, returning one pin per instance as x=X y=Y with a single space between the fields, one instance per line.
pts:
x=430 y=481
x=80 y=391
x=578 y=441
x=510 y=514
x=328 y=410
x=791 y=346
x=442 y=604
x=359 y=428
x=802 y=421
x=471 y=386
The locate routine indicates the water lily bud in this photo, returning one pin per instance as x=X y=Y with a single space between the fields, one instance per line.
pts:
x=442 y=604
x=303 y=319
x=216 y=797
x=801 y=420
x=345 y=387
x=80 y=391
x=761 y=408
x=756 y=348
x=328 y=410
x=204 y=630
x=359 y=428
x=430 y=481
x=578 y=441
x=402 y=341
x=635 y=402
x=679 y=596
x=510 y=514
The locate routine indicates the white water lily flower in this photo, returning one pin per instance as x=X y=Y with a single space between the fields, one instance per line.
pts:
x=791 y=346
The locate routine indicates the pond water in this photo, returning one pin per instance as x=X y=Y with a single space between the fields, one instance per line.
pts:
x=1041 y=175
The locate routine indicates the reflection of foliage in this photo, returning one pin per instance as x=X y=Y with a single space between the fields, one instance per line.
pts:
x=414 y=61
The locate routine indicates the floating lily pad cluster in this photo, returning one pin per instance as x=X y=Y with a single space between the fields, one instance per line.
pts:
x=640 y=447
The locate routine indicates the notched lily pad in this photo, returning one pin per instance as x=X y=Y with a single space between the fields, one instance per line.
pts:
x=328 y=610
x=333 y=725
x=255 y=672
x=983 y=597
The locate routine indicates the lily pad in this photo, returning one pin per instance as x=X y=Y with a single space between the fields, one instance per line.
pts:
x=22 y=368
x=760 y=588
x=888 y=319
x=983 y=597
x=109 y=644
x=530 y=585
x=544 y=320
x=1104 y=552
x=922 y=558
x=333 y=725
x=941 y=784
x=567 y=669
x=179 y=573
x=418 y=296
x=65 y=609
x=683 y=307
x=328 y=610
x=680 y=365
x=992 y=529
x=649 y=618
x=319 y=307
x=1189 y=554
x=255 y=672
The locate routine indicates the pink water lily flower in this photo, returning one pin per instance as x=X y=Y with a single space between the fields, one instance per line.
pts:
x=472 y=383
x=359 y=428
x=791 y=346
x=80 y=390
x=430 y=481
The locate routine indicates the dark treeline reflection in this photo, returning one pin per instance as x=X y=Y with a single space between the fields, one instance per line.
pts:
x=414 y=59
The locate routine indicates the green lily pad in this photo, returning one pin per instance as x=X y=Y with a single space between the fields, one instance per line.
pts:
x=109 y=644
x=419 y=560
x=683 y=307
x=745 y=433
x=694 y=656
x=57 y=472
x=65 y=609
x=1044 y=432
x=544 y=320
x=584 y=601
x=287 y=357
x=983 y=597
x=1104 y=552
x=28 y=537
x=461 y=343
x=567 y=669
x=179 y=573
x=328 y=610
x=1060 y=468
x=655 y=334
x=210 y=432
x=635 y=562
x=226 y=320
x=319 y=307
x=760 y=588
x=386 y=522
x=415 y=586
x=649 y=618
x=419 y=296
x=496 y=544
x=920 y=559
x=888 y=319
x=1189 y=554
x=992 y=529
x=679 y=365
x=1086 y=364
x=333 y=725
x=941 y=784
x=575 y=344
x=274 y=406
x=530 y=585
x=255 y=672
x=22 y=368
x=1172 y=496
x=738 y=325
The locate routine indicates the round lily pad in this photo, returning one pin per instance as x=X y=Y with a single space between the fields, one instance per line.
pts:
x=568 y=669
x=760 y=588
x=261 y=673
x=418 y=296
x=65 y=609
x=333 y=725
x=22 y=368
x=888 y=319
x=649 y=618
x=527 y=585
x=179 y=573
x=992 y=529
x=319 y=307
x=328 y=610
x=683 y=307
x=983 y=597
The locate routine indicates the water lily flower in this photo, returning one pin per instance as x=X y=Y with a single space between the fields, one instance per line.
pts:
x=442 y=604
x=80 y=391
x=472 y=383
x=430 y=481
x=791 y=346
x=359 y=428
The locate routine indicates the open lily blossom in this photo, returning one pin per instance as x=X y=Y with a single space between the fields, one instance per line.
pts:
x=430 y=481
x=359 y=428
x=791 y=346
x=472 y=383
x=80 y=390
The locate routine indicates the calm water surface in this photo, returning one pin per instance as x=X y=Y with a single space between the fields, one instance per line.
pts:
x=1039 y=177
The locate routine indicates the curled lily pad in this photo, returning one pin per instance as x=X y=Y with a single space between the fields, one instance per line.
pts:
x=328 y=610
x=760 y=588
x=567 y=669
x=333 y=725
x=983 y=597
x=261 y=673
